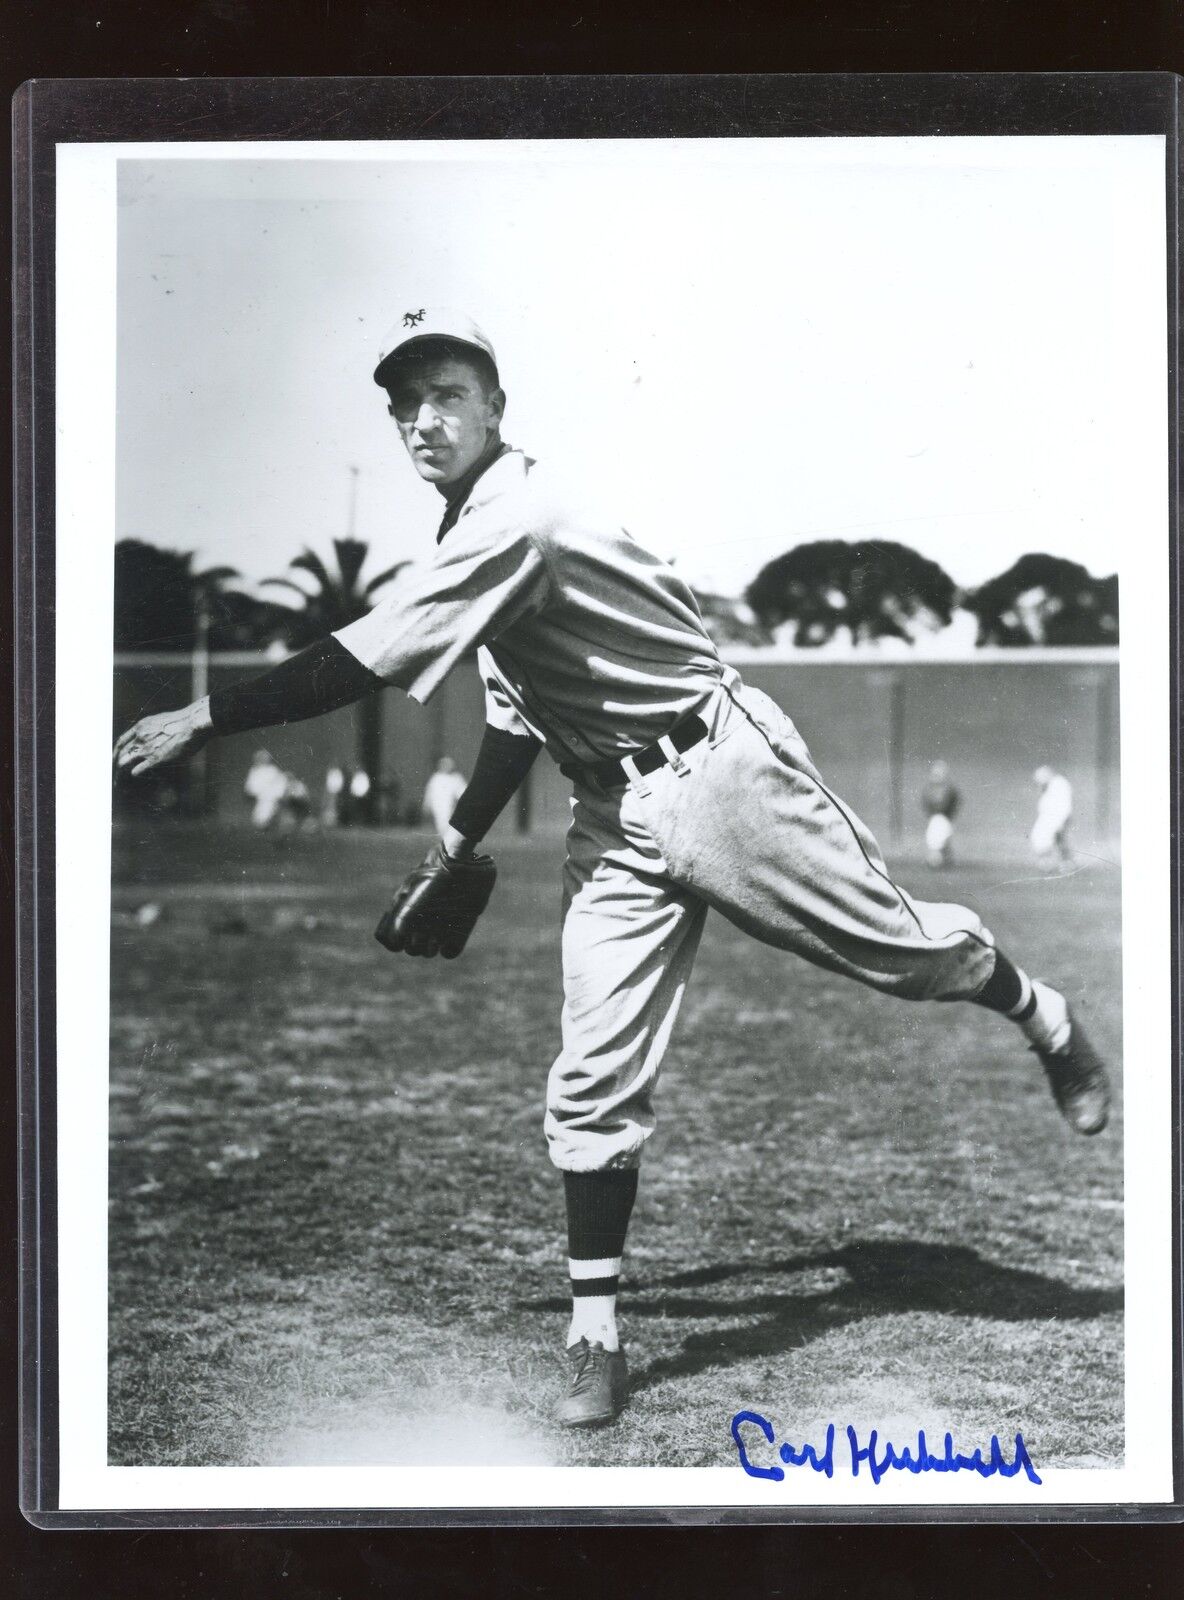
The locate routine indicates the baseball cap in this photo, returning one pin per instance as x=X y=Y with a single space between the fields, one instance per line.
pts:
x=429 y=322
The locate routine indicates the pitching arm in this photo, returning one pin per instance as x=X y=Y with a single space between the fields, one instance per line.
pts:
x=322 y=678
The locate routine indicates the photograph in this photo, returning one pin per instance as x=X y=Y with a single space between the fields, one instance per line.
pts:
x=612 y=759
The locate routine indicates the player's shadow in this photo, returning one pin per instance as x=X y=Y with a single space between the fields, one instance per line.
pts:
x=879 y=1278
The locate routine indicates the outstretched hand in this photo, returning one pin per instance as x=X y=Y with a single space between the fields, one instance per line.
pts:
x=165 y=737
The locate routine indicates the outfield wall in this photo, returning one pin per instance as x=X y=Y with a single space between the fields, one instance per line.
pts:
x=873 y=727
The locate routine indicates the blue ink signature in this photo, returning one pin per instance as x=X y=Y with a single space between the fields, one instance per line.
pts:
x=888 y=1459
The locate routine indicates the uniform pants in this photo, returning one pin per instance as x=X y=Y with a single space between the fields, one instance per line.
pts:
x=742 y=822
x=938 y=832
x=1050 y=837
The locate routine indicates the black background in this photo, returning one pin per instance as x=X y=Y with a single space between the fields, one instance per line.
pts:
x=127 y=38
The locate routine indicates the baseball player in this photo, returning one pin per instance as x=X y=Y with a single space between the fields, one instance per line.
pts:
x=265 y=786
x=689 y=791
x=940 y=801
x=442 y=792
x=1054 y=812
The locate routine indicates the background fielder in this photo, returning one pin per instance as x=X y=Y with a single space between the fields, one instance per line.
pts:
x=690 y=791
x=1054 y=812
x=941 y=803
x=442 y=792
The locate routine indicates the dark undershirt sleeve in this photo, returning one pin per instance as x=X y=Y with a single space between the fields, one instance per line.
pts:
x=322 y=678
x=502 y=762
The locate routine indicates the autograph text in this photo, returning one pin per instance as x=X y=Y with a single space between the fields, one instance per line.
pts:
x=878 y=1458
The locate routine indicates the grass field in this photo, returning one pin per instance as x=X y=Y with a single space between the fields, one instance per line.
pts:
x=335 y=1235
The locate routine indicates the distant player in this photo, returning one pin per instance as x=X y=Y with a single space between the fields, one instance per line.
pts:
x=297 y=803
x=360 y=803
x=1054 y=812
x=265 y=787
x=940 y=802
x=331 y=797
x=444 y=789
x=691 y=791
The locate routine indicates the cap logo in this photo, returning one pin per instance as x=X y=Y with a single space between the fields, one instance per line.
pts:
x=412 y=318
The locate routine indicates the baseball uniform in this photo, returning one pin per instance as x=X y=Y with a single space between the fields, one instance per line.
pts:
x=265 y=786
x=597 y=648
x=941 y=802
x=690 y=791
x=443 y=789
x=1054 y=811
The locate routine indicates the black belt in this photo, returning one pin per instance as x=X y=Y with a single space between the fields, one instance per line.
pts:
x=683 y=736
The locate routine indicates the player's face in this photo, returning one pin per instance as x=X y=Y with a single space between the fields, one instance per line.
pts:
x=445 y=416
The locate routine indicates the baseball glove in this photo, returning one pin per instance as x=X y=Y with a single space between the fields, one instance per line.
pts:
x=436 y=907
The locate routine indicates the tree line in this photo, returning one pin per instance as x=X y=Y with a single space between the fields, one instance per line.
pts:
x=873 y=589
x=163 y=603
x=876 y=589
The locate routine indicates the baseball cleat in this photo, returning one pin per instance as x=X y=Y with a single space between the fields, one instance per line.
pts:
x=599 y=1386
x=1078 y=1081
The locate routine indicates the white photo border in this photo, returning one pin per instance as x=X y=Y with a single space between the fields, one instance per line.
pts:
x=85 y=389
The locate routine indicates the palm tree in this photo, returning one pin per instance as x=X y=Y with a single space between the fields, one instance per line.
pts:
x=340 y=598
x=162 y=604
x=160 y=599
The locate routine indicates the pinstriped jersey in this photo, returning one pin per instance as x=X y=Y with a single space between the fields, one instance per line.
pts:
x=584 y=638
